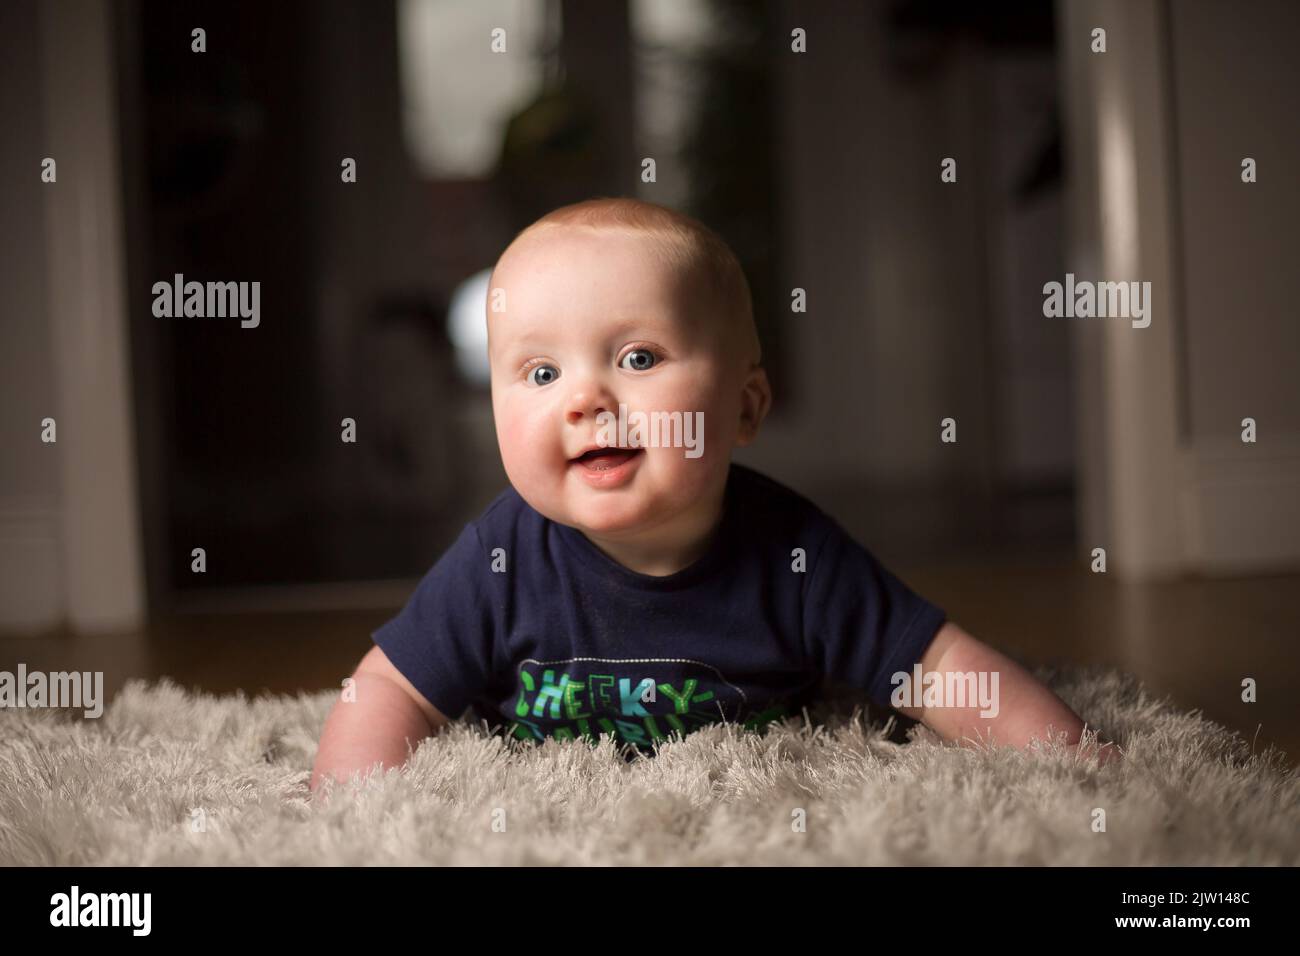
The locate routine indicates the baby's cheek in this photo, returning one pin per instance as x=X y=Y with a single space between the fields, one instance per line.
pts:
x=714 y=419
x=687 y=392
x=523 y=437
x=512 y=431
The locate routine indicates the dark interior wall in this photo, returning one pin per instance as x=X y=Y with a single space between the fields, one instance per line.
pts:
x=1238 y=241
x=216 y=140
x=239 y=151
x=227 y=142
x=911 y=313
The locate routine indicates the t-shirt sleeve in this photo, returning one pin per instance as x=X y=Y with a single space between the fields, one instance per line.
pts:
x=443 y=639
x=861 y=623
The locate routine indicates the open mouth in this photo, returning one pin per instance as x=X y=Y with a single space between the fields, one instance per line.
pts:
x=603 y=459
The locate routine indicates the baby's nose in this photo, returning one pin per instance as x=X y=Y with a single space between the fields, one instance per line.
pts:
x=589 y=400
x=577 y=413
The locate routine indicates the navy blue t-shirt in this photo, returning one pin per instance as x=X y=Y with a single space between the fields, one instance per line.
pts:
x=545 y=635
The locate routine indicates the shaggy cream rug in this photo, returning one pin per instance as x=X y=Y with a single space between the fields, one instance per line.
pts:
x=168 y=777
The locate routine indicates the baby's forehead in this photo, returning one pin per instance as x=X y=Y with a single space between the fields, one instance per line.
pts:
x=553 y=248
x=571 y=272
x=587 y=281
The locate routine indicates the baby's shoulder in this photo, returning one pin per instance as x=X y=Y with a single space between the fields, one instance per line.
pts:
x=771 y=509
x=507 y=518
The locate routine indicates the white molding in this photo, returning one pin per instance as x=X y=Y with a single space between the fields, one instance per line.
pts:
x=100 y=557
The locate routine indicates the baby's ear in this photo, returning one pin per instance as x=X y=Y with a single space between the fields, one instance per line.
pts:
x=755 y=401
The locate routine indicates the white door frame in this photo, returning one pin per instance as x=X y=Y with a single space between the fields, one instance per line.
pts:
x=1159 y=503
x=100 y=555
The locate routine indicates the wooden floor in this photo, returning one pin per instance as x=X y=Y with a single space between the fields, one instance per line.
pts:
x=1194 y=640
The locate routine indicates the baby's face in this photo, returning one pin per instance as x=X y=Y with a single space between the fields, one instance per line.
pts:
x=593 y=320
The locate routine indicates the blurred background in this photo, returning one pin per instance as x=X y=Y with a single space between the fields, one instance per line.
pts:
x=821 y=168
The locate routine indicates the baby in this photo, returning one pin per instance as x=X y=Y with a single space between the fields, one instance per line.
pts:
x=633 y=581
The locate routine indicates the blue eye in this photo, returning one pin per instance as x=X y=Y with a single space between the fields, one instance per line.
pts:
x=642 y=359
x=551 y=373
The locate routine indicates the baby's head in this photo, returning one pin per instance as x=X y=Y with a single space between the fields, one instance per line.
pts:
x=619 y=302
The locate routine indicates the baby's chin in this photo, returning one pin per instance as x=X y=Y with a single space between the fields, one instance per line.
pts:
x=609 y=513
x=611 y=518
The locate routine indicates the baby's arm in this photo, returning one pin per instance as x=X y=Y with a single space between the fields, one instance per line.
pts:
x=1027 y=709
x=388 y=713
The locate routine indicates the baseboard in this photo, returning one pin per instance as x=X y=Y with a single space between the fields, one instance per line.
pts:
x=1241 y=507
x=31 y=599
x=291 y=598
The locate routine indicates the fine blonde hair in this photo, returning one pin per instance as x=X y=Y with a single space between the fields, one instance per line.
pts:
x=685 y=244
